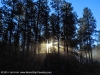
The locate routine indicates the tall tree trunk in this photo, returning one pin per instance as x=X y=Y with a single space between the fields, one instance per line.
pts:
x=86 y=56
x=81 y=53
x=67 y=47
x=58 y=45
x=90 y=49
x=36 y=39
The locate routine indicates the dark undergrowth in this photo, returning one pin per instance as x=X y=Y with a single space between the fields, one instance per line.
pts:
x=57 y=65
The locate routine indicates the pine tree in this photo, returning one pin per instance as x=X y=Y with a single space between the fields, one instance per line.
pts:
x=8 y=10
x=87 y=28
x=1 y=31
x=69 y=20
x=98 y=37
x=19 y=13
x=53 y=24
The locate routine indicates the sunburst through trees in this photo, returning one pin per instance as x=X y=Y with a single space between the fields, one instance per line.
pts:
x=47 y=30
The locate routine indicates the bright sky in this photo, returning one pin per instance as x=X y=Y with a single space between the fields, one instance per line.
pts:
x=94 y=5
x=91 y=4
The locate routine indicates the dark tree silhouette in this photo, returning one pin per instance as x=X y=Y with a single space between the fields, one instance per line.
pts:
x=53 y=23
x=87 y=28
x=69 y=20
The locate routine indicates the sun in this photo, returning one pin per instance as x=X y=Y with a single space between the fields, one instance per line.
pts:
x=49 y=45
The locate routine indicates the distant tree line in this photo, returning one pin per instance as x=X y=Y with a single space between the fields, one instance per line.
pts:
x=25 y=23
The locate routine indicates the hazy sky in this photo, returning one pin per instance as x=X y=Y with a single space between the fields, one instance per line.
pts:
x=79 y=5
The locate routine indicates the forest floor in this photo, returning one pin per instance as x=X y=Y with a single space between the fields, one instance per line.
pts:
x=51 y=64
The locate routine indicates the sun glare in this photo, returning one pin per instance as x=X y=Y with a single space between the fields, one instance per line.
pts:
x=49 y=45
